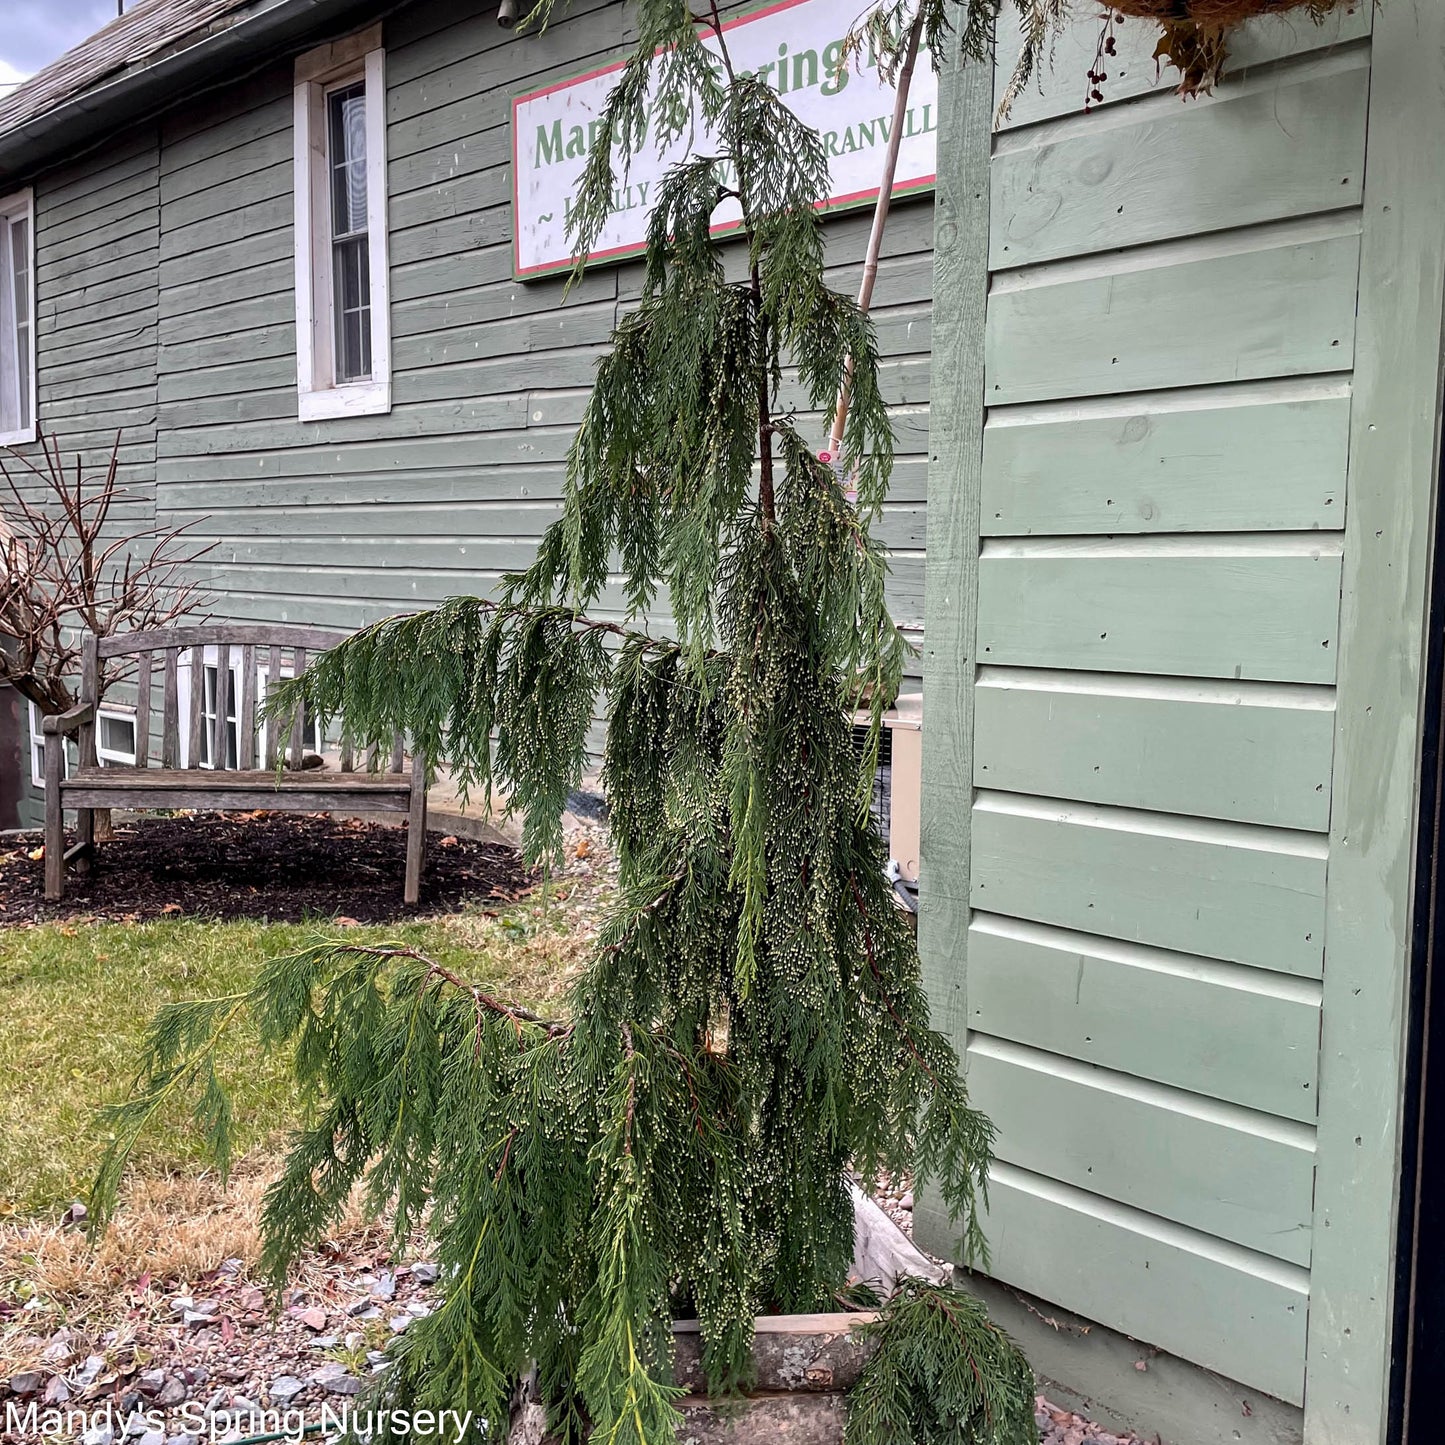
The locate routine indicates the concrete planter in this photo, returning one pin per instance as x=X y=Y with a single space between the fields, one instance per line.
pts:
x=805 y=1366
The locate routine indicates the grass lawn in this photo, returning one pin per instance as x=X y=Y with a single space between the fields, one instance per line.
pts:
x=76 y=998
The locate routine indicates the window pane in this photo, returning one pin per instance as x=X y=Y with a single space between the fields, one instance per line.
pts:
x=20 y=273
x=347 y=124
x=351 y=264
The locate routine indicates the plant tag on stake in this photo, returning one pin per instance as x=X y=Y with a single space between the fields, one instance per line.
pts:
x=849 y=489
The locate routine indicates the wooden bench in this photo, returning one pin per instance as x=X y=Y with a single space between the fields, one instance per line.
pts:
x=181 y=780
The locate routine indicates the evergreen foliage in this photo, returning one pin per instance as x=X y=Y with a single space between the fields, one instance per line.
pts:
x=753 y=1024
x=942 y=1373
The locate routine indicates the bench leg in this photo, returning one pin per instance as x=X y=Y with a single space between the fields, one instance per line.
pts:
x=85 y=839
x=54 y=818
x=416 y=831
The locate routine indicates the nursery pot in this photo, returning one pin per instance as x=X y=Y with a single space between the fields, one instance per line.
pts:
x=804 y=1364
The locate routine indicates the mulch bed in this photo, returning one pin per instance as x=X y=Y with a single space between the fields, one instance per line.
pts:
x=286 y=867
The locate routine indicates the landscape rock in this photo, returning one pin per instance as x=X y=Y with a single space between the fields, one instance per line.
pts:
x=424 y=1272
x=173 y=1392
x=27 y=1382
x=152 y=1437
x=335 y=1380
x=285 y=1388
x=57 y=1392
x=313 y=1319
x=100 y=1434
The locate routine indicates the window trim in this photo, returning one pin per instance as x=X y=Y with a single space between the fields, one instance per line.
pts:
x=107 y=755
x=22 y=203
x=319 y=395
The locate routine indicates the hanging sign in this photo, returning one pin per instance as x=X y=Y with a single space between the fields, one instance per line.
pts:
x=797 y=48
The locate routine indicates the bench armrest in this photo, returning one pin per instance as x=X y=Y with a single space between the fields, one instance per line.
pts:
x=69 y=722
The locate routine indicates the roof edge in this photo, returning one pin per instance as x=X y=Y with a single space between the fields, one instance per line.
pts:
x=147 y=87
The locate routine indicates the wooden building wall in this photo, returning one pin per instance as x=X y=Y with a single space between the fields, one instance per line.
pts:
x=339 y=522
x=166 y=286
x=1175 y=598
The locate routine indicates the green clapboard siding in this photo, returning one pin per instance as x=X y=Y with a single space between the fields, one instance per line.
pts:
x=1232 y=1173
x=1261 y=150
x=489 y=375
x=1081 y=329
x=1257 y=614
x=1183 y=461
x=1246 y=753
x=1215 y=1029
x=1222 y=890
x=1230 y=1309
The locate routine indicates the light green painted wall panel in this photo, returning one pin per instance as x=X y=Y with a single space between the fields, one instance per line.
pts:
x=1284 y=307
x=1216 y=1167
x=1266 y=148
x=1188 y=461
x=1234 y=1311
x=1058 y=93
x=1250 y=754
x=1222 y=890
x=1258 y=614
x=1217 y=1029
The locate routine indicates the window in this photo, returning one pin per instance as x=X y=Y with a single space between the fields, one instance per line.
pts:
x=17 y=319
x=37 y=748
x=312 y=736
x=210 y=694
x=115 y=737
x=343 y=329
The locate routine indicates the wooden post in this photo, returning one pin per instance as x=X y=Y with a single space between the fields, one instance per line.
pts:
x=416 y=830
x=54 y=817
x=89 y=692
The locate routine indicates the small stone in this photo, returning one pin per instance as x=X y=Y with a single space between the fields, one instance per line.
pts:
x=424 y=1272
x=90 y=1371
x=335 y=1380
x=181 y=1303
x=183 y=1437
x=136 y=1424
x=152 y=1437
x=906 y=1201
x=76 y=1215
x=231 y=1266
x=57 y=1392
x=253 y=1297
x=244 y=1405
x=325 y=1342
x=420 y=1308
x=58 y=1350
x=383 y=1287
x=98 y=1434
x=313 y=1319
x=27 y=1382
x=360 y=1307
x=173 y=1392
x=149 y=1382
x=399 y=1323
x=285 y=1388
x=377 y=1357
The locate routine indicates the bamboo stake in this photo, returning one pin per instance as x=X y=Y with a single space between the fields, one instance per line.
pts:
x=880 y=219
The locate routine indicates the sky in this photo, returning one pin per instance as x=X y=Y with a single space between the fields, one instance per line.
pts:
x=34 y=32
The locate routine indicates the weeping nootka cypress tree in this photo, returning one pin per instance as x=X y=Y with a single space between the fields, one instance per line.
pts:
x=752 y=1024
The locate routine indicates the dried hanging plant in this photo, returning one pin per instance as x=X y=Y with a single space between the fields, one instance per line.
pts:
x=1194 y=34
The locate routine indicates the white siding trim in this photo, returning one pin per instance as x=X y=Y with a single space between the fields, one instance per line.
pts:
x=318 y=394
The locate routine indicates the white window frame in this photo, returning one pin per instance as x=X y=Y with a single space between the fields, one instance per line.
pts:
x=18 y=205
x=211 y=662
x=355 y=58
x=37 y=747
x=114 y=755
x=313 y=735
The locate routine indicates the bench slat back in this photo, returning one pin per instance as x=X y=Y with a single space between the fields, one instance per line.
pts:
x=246 y=657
